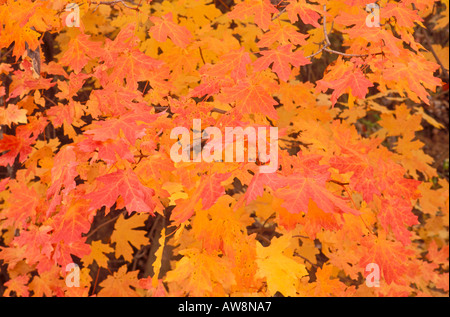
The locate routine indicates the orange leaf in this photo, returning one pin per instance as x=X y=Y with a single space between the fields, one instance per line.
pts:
x=261 y=10
x=281 y=58
x=165 y=27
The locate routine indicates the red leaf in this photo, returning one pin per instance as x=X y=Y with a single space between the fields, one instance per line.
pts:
x=130 y=124
x=396 y=214
x=309 y=183
x=14 y=146
x=126 y=184
x=391 y=256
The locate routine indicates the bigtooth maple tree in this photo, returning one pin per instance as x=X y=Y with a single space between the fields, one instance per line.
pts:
x=86 y=118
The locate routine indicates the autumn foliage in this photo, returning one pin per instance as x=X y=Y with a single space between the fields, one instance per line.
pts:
x=86 y=115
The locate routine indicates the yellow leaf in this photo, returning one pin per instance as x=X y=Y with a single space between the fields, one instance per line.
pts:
x=308 y=250
x=201 y=273
x=12 y=114
x=176 y=192
x=428 y=118
x=158 y=260
x=118 y=284
x=277 y=265
x=124 y=235
x=98 y=254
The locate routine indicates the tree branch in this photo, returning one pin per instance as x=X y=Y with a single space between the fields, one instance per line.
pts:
x=113 y=2
x=327 y=43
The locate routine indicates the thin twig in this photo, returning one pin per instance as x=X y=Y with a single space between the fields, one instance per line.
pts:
x=337 y=182
x=104 y=224
x=350 y=55
x=279 y=13
x=318 y=52
x=325 y=25
x=429 y=44
x=113 y=2
x=327 y=43
x=7 y=52
x=307 y=260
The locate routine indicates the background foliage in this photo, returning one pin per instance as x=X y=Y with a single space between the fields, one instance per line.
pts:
x=86 y=115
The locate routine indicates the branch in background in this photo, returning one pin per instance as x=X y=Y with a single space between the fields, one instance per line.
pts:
x=444 y=71
x=430 y=45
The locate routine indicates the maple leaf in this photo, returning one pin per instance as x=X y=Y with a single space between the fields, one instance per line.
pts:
x=404 y=16
x=97 y=254
x=24 y=81
x=23 y=205
x=282 y=33
x=64 y=251
x=71 y=222
x=250 y=98
x=396 y=214
x=281 y=58
x=12 y=114
x=307 y=12
x=81 y=50
x=276 y=264
x=401 y=122
x=316 y=220
x=119 y=284
x=218 y=227
x=3 y=183
x=13 y=255
x=200 y=273
x=115 y=100
x=15 y=146
x=325 y=285
x=209 y=190
x=233 y=62
x=256 y=187
x=66 y=115
x=81 y=134
x=416 y=72
x=147 y=284
x=124 y=234
x=132 y=124
x=37 y=241
x=63 y=175
x=353 y=81
x=391 y=257
x=301 y=189
x=438 y=256
x=260 y=10
x=165 y=27
x=212 y=189
x=126 y=184
x=18 y=285
x=158 y=258
x=40 y=285
x=309 y=183
x=110 y=150
x=134 y=66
